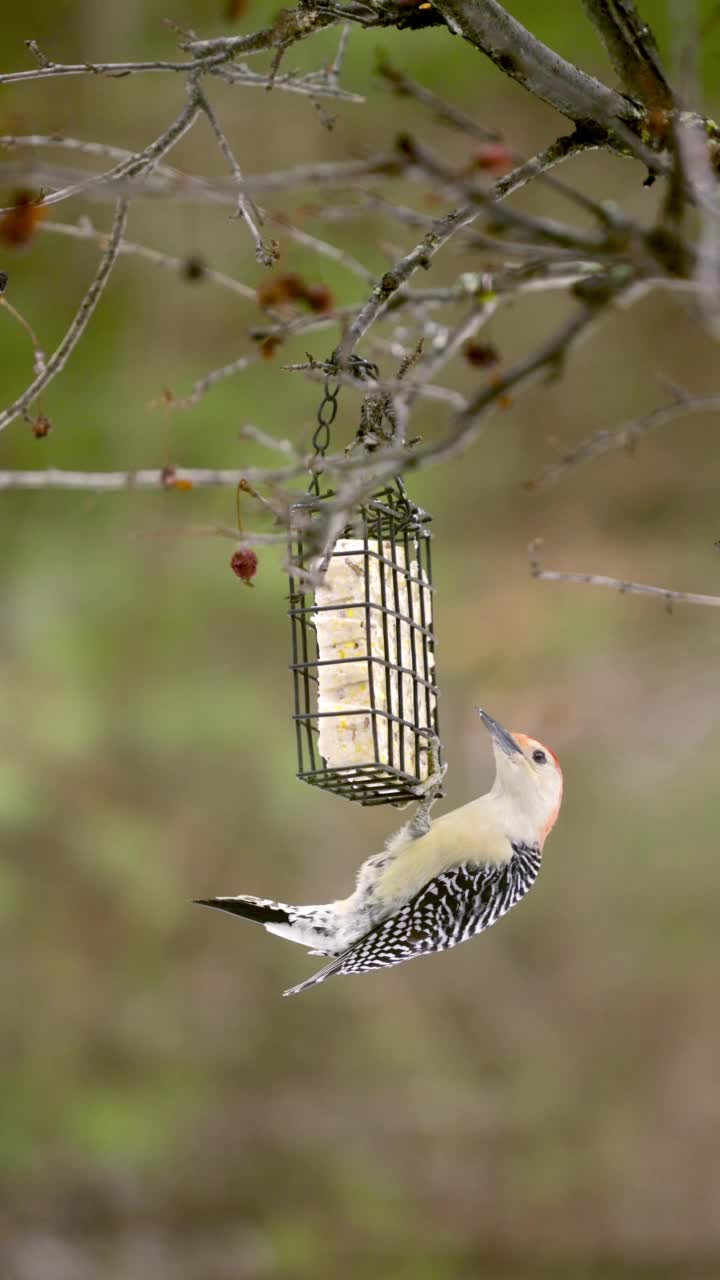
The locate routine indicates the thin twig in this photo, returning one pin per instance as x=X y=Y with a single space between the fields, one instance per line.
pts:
x=549 y=356
x=335 y=67
x=84 y=230
x=112 y=70
x=211 y=379
x=626 y=436
x=251 y=432
x=16 y=141
x=243 y=538
x=175 y=185
x=443 y=229
x=234 y=46
x=135 y=165
x=427 y=164
x=385 y=386
x=60 y=356
x=114 y=481
x=668 y=597
x=322 y=247
x=38 y=353
x=392 y=280
x=127 y=169
x=404 y=87
x=246 y=209
x=316 y=84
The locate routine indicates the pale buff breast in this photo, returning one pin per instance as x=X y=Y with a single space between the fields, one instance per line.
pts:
x=469 y=834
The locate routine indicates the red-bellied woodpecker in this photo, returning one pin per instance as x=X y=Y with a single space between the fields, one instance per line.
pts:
x=435 y=884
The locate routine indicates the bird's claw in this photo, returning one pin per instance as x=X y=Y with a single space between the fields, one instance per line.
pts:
x=429 y=790
x=436 y=771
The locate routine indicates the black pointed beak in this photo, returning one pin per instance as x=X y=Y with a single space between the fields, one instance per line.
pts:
x=500 y=735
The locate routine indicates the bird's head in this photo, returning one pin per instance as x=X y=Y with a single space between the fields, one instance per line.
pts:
x=529 y=779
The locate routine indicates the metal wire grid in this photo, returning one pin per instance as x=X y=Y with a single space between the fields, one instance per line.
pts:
x=388 y=522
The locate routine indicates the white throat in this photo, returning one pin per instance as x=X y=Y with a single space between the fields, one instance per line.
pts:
x=522 y=804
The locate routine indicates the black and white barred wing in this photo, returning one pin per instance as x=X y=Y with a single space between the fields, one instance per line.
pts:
x=449 y=909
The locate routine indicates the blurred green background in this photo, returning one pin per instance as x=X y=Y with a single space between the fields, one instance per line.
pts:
x=542 y=1102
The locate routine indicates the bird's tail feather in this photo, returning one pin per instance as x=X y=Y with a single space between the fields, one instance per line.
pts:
x=327 y=972
x=263 y=910
x=310 y=926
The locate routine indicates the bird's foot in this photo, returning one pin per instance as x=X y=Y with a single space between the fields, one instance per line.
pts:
x=429 y=791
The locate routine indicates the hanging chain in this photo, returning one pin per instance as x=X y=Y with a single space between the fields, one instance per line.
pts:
x=327 y=413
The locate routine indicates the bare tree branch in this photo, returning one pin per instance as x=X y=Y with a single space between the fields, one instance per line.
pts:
x=632 y=49
x=245 y=207
x=316 y=84
x=114 y=70
x=696 y=172
x=626 y=436
x=131 y=168
x=318 y=372
x=428 y=164
x=668 y=597
x=420 y=256
x=323 y=248
x=468 y=424
x=539 y=69
x=84 y=230
x=613 y=259
x=294 y=27
x=211 y=379
x=80 y=321
x=113 y=481
x=436 y=238
x=684 y=46
x=404 y=87
x=178 y=186
x=127 y=169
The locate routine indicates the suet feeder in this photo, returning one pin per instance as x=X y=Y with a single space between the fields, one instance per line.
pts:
x=363 y=651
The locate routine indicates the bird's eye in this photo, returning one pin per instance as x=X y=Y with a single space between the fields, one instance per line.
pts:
x=539 y=757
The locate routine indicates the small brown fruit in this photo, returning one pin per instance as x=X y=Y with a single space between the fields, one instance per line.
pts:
x=319 y=297
x=492 y=157
x=41 y=427
x=244 y=565
x=481 y=355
